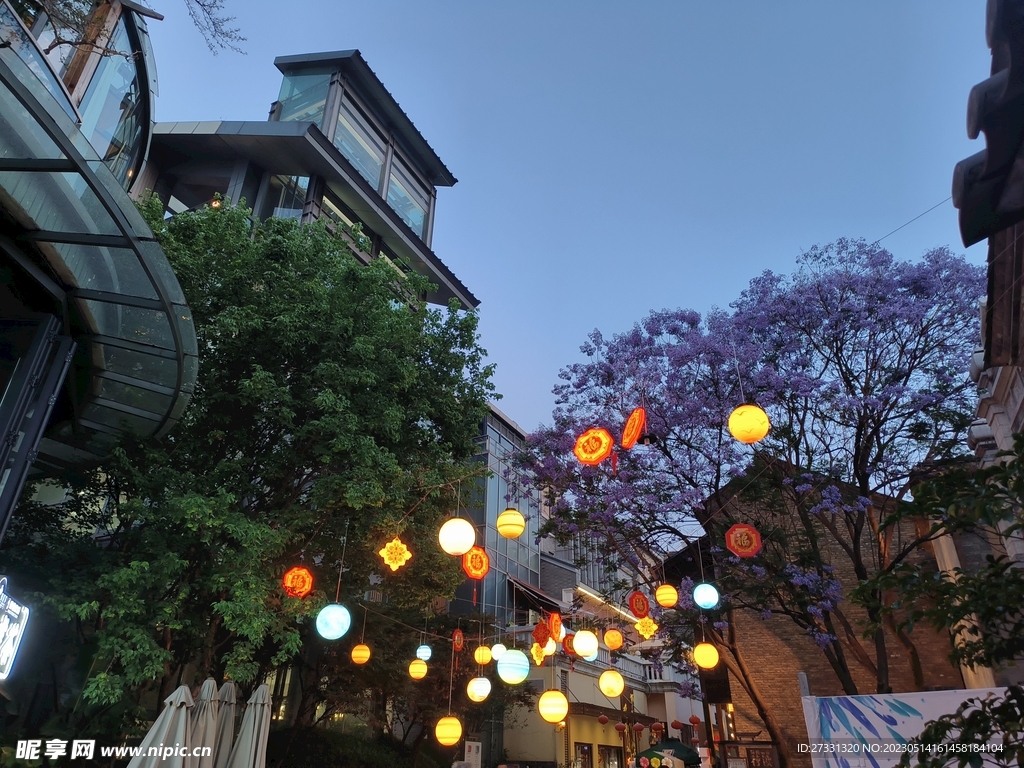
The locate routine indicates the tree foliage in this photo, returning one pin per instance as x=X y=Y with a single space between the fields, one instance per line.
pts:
x=332 y=412
x=860 y=361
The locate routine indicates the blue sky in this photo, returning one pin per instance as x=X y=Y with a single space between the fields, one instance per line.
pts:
x=613 y=160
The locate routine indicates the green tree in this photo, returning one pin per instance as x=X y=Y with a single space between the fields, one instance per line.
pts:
x=332 y=409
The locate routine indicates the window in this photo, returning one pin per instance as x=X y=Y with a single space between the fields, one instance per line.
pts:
x=408 y=198
x=584 y=755
x=303 y=96
x=111 y=107
x=285 y=197
x=609 y=757
x=360 y=143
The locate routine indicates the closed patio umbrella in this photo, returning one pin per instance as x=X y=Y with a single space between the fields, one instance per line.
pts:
x=225 y=725
x=250 y=750
x=204 y=724
x=172 y=730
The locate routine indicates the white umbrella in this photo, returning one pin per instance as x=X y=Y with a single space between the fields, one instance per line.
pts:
x=170 y=735
x=204 y=723
x=250 y=750
x=225 y=725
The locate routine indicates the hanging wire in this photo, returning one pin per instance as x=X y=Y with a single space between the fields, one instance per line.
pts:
x=451 y=680
x=739 y=376
x=362 y=635
x=341 y=564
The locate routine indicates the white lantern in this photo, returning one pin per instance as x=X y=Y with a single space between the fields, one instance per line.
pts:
x=478 y=689
x=584 y=643
x=457 y=536
x=497 y=650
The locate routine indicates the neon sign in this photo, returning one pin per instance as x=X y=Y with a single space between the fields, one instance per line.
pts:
x=13 y=619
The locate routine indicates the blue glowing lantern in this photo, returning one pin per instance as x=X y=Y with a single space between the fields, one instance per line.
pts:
x=423 y=652
x=333 y=621
x=513 y=666
x=705 y=596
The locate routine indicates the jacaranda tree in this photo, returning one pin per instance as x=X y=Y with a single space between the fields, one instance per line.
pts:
x=860 y=361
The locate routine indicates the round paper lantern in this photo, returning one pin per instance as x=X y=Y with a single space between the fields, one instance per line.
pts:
x=497 y=651
x=333 y=621
x=482 y=655
x=448 y=731
x=593 y=446
x=585 y=643
x=297 y=581
x=478 y=689
x=591 y=657
x=418 y=669
x=749 y=424
x=361 y=653
x=678 y=725
x=639 y=727
x=424 y=652
x=705 y=595
x=620 y=727
x=513 y=666
x=666 y=596
x=694 y=720
x=705 y=656
x=511 y=523
x=553 y=706
x=656 y=727
x=457 y=536
x=550 y=647
x=613 y=639
x=603 y=719
x=611 y=683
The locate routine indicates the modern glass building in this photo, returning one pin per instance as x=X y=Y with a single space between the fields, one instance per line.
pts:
x=337 y=146
x=96 y=338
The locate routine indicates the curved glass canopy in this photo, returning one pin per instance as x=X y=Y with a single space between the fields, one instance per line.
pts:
x=66 y=220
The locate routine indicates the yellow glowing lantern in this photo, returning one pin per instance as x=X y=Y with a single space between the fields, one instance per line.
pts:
x=448 y=731
x=749 y=424
x=395 y=554
x=613 y=639
x=584 y=643
x=553 y=706
x=361 y=653
x=482 y=655
x=646 y=627
x=537 y=652
x=550 y=646
x=666 y=596
x=418 y=669
x=478 y=689
x=705 y=656
x=511 y=523
x=457 y=536
x=611 y=683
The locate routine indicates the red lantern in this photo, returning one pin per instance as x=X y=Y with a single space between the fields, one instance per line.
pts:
x=639 y=604
x=567 y=643
x=593 y=446
x=677 y=725
x=657 y=727
x=297 y=581
x=634 y=427
x=541 y=633
x=603 y=719
x=694 y=720
x=458 y=640
x=555 y=625
x=476 y=563
x=620 y=727
x=743 y=540
x=639 y=727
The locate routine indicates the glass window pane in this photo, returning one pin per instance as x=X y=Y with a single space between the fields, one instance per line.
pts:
x=303 y=96
x=111 y=108
x=116 y=270
x=285 y=197
x=62 y=202
x=21 y=136
x=186 y=329
x=29 y=65
x=137 y=397
x=156 y=260
x=128 y=362
x=145 y=326
x=408 y=198
x=360 y=143
x=118 y=419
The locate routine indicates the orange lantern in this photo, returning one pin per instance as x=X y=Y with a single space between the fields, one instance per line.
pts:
x=555 y=625
x=297 y=581
x=639 y=604
x=541 y=633
x=613 y=639
x=458 y=639
x=593 y=446
x=476 y=563
x=567 y=643
x=634 y=427
x=743 y=540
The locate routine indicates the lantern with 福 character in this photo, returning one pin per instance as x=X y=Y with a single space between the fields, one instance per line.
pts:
x=567 y=643
x=593 y=446
x=749 y=424
x=297 y=581
x=743 y=540
x=639 y=604
x=511 y=523
x=476 y=563
x=458 y=639
x=634 y=427
x=555 y=625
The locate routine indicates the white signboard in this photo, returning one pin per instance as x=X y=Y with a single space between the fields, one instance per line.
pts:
x=13 y=618
x=474 y=753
